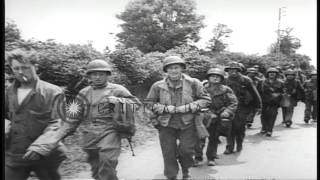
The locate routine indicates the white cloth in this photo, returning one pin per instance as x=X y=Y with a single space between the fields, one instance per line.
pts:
x=22 y=93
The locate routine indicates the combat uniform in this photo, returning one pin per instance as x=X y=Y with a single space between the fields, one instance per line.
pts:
x=222 y=100
x=293 y=91
x=271 y=94
x=173 y=127
x=100 y=137
x=32 y=123
x=311 y=92
x=257 y=82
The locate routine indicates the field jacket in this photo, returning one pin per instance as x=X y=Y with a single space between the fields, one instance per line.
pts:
x=159 y=97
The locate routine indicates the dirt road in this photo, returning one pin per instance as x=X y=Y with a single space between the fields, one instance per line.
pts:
x=289 y=154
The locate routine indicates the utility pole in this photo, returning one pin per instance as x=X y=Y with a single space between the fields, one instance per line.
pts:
x=281 y=13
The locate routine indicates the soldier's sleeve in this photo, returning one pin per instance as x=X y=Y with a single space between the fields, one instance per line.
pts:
x=59 y=127
x=233 y=105
x=152 y=100
x=255 y=94
x=125 y=96
x=203 y=98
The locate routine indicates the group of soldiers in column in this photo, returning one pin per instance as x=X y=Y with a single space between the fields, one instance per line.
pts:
x=225 y=104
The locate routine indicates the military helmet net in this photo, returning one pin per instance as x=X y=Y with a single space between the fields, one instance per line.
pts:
x=173 y=60
x=98 y=65
x=290 y=72
x=216 y=71
x=272 y=70
x=233 y=65
x=252 y=70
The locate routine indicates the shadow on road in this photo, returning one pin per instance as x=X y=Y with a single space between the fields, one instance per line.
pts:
x=258 y=138
x=304 y=125
x=229 y=160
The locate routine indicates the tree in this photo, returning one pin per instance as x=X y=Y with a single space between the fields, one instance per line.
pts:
x=217 y=42
x=288 y=43
x=12 y=33
x=159 y=25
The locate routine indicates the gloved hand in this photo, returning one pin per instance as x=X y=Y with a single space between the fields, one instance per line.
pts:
x=31 y=155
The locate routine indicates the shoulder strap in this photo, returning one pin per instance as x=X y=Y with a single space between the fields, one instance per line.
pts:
x=194 y=88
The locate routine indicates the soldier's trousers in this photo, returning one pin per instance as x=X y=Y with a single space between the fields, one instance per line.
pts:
x=47 y=170
x=268 y=117
x=251 y=115
x=287 y=113
x=238 y=126
x=103 y=158
x=216 y=129
x=311 y=110
x=172 y=151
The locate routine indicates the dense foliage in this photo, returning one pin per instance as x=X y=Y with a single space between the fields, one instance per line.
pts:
x=159 y=25
x=65 y=65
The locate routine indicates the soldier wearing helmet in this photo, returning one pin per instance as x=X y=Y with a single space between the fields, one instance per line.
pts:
x=174 y=102
x=252 y=73
x=248 y=98
x=98 y=108
x=311 y=93
x=293 y=92
x=219 y=117
x=259 y=74
x=271 y=91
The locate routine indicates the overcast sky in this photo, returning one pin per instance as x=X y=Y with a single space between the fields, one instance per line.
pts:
x=254 y=22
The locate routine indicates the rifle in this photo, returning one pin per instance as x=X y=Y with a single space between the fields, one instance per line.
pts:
x=131 y=148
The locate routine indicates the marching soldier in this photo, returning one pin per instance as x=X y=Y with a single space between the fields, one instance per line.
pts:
x=271 y=91
x=259 y=74
x=311 y=93
x=98 y=107
x=175 y=100
x=248 y=98
x=31 y=116
x=293 y=92
x=252 y=74
x=220 y=115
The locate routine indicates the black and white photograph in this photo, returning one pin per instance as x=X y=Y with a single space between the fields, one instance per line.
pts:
x=160 y=89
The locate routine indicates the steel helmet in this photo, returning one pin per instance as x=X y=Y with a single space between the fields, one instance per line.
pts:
x=272 y=70
x=233 y=65
x=98 y=65
x=252 y=70
x=173 y=60
x=216 y=71
x=290 y=72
